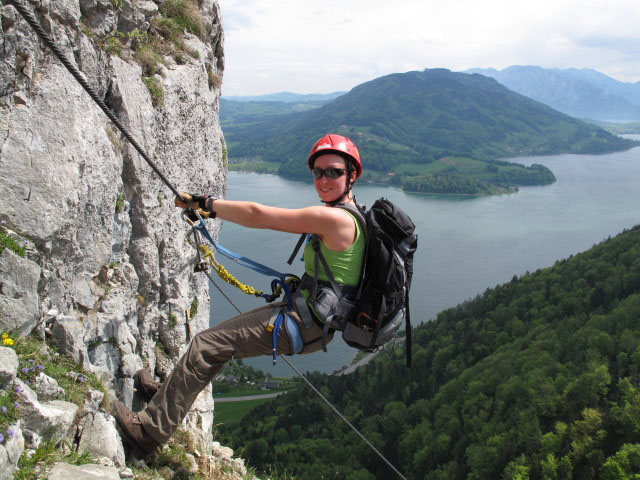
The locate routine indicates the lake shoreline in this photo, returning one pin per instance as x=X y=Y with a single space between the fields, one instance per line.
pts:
x=373 y=183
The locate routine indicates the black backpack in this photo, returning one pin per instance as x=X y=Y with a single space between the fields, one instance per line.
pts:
x=371 y=315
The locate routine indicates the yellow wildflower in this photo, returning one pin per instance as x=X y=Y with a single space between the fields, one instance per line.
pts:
x=5 y=335
x=7 y=341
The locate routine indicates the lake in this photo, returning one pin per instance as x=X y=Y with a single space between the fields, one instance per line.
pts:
x=466 y=244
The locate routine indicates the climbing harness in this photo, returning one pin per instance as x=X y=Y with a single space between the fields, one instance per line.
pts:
x=284 y=281
x=274 y=327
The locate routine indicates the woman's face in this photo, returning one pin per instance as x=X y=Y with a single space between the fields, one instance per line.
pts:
x=330 y=188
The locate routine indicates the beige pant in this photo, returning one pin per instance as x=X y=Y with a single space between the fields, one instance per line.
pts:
x=242 y=336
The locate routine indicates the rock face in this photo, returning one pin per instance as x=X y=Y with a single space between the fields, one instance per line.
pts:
x=107 y=271
x=64 y=471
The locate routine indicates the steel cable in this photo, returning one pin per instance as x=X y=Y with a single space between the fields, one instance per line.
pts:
x=79 y=76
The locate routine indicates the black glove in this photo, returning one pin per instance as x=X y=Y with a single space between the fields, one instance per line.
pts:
x=193 y=216
x=195 y=203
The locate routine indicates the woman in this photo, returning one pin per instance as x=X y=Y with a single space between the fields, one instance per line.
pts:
x=335 y=164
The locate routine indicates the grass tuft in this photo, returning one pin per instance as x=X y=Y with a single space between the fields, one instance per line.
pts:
x=173 y=321
x=155 y=90
x=119 y=202
x=46 y=455
x=185 y=15
x=69 y=375
x=6 y=241
x=36 y=356
x=215 y=80
x=193 y=309
x=148 y=59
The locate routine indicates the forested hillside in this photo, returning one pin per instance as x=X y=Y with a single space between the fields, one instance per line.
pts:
x=537 y=378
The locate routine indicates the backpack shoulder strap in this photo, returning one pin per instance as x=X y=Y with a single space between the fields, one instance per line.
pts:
x=296 y=249
x=358 y=212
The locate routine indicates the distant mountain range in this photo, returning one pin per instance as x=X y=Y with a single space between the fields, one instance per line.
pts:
x=581 y=93
x=418 y=118
x=286 y=97
x=242 y=112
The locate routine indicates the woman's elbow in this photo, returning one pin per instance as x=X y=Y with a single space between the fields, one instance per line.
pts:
x=257 y=216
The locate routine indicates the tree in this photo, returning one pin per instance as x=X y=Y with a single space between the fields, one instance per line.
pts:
x=624 y=465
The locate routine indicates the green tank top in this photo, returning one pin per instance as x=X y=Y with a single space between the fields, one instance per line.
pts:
x=345 y=266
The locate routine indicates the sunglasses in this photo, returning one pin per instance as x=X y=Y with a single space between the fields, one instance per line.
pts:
x=331 y=173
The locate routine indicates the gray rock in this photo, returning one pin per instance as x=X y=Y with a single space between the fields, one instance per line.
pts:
x=92 y=400
x=224 y=455
x=14 y=444
x=8 y=16
x=193 y=464
x=200 y=418
x=11 y=451
x=126 y=473
x=66 y=11
x=18 y=292
x=6 y=471
x=147 y=8
x=127 y=392
x=51 y=418
x=31 y=439
x=99 y=438
x=65 y=471
x=131 y=363
x=47 y=388
x=68 y=336
x=105 y=355
x=19 y=98
x=88 y=8
x=8 y=366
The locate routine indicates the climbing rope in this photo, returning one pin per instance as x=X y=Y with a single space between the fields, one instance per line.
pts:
x=224 y=274
x=31 y=20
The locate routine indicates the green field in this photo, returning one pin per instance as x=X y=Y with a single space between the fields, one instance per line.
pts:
x=248 y=391
x=258 y=167
x=232 y=412
x=242 y=392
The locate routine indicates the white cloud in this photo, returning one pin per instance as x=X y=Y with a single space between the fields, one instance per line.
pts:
x=314 y=46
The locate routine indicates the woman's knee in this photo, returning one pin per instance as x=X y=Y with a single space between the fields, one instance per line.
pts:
x=206 y=351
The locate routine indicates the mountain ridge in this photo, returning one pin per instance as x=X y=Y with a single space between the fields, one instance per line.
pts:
x=419 y=118
x=581 y=93
x=284 y=96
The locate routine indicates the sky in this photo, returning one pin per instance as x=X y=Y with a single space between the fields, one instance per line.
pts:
x=322 y=46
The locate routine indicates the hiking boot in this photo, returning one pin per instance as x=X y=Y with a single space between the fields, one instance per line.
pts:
x=145 y=384
x=132 y=433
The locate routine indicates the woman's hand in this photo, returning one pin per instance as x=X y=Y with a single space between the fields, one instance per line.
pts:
x=195 y=203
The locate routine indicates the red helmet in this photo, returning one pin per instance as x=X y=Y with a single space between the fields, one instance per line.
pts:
x=337 y=144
